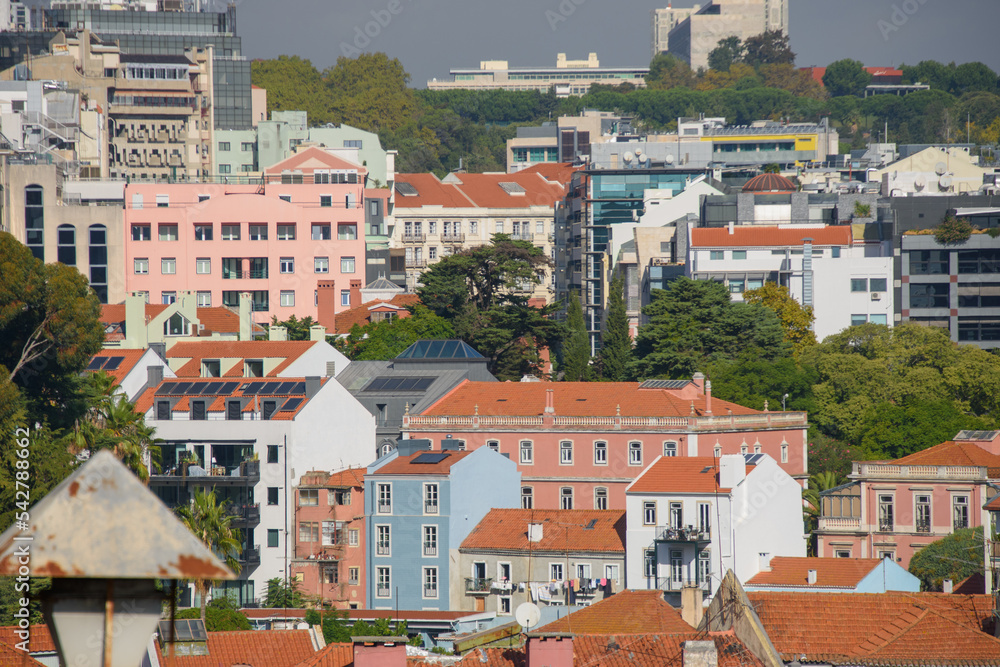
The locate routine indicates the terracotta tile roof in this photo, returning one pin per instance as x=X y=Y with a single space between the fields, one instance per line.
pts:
x=680 y=474
x=196 y=351
x=558 y=172
x=217 y=319
x=404 y=465
x=320 y=159
x=431 y=192
x=40 y=640
x=756 y=236
x=630 y=612
x=131 y=358
x=12 y=657
x=354 y=477
x=361 y=315
x=830 y=572
x=270 y=648
x=952 y=453
x=657 y=650
x=577 y=399
x=487 y=657
x=925 y=637
x=844 y=627
x=339 y=654
x=542 y=187
x=216 y=402
x=562 y=530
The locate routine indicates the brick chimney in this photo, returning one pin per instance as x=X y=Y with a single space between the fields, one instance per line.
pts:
x=355 y=293
x=326 y=303
x=550 y=649
x=692 y=605
x=550 y=401
x=379 y=651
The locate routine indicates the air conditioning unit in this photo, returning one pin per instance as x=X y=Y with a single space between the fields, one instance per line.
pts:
x=876 y=296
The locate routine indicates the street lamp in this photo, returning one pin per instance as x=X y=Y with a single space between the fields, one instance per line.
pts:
x=104 y=539
x=783 y=399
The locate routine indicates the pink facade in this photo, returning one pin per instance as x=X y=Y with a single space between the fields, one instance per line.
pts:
x=329 y=556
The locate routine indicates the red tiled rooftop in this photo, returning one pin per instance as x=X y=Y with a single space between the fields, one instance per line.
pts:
x=13 y=657
x=314 y=158
x=217 y=319
x=270 y=648
x=40 y=640
x=217 y=402
x=404 y=465
x=952 y=453
x=830 y=572
x=196 y=351
x=361 y=315
x=562 y=530
x=577 y=399
x=338 y=654
x=630 y=612
x=680 y=474
x=131 y=358
x=750 y=236
x=542 y=187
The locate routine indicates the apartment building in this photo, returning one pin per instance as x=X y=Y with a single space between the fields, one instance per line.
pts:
x=664 y=20
x=567 y=139
x=694 y=36
x=578 y=445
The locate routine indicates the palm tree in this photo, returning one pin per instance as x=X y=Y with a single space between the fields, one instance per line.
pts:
x=210 y=523
x=823 y=481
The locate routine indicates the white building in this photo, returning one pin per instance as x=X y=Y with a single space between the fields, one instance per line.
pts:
x=690 y=519
x=853 y=276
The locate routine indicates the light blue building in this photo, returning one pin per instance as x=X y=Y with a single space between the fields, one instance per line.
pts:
x=833 y=575
x=419 y=506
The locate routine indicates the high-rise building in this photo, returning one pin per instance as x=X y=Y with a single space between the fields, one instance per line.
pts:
x=665 y=20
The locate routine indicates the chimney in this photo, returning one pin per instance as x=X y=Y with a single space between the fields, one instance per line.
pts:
x=708 y=397
x=811 y=578
x=154 y=376
x=550 y=649
x=326 y=303
x=312 y=386
x=160 y=349
x=355 y=293
x=317 y=332
x=412 y=446
x=947 y=586
x=135 y=321
x=550 y=401
x=732 y=228
x=765 y=562
x=246 y=312
x=535 y=532
x=380 y=651
x=732 y=470
x=700 y=653
x=277 y=332
x=699 y=380
x=692 y=605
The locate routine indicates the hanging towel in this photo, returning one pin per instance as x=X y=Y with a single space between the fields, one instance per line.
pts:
x=604 y=582
x=576 y=585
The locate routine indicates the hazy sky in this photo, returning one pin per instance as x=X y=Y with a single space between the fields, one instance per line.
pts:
x=432 y=36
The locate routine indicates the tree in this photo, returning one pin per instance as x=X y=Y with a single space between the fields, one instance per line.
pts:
x=616 y=340
x=386 y=339
x=846 y=77
x=293 y=83
x=953 y=231
x=295 y=328
x=768 y=48
x=957 y=557
x=336 y=627
x=796 y=319
x=811 y=509
x=729 y=50
x=370 y=92
x=221 y=615
x=210 y=522
x=283 y=594
x=575 y=362
x=666 y=71
x=755 y=382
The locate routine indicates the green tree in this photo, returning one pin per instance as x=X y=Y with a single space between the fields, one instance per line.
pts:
x=211 y=523
x=973 y=77
x=768 y=48
x=953 y=231
x=729 y=50
x=293 y=84
x=221 y=615
x=811 y=509
x=846 y=77
x=957 y=557
x=575 y=364
x=297 y=329
x=796 y=319
x=616 y=339
x=666 y=71
x=283 y=594
x=755 y=382
x=370 y=92
x=386 y=339
x=336 y=627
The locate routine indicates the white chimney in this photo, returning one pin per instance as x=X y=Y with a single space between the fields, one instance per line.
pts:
x=765 y=562
x=535 y=531
x=702 y=653
x=948 y=586
x=732 y=228
x=277 y=332
x=811 y=577
x=732 y=470
x=317 y=332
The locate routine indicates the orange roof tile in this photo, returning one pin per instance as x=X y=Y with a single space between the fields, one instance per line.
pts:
x=217 y=402
x=217 y=319
x=630 y=612
x=196 y=351
x=404 y=465
x=577 y=399
x=562 y=530
x=680 y=474
x=830 y=572
x=338 y=654
x=13 y=657
x=926 y=637
x=361 y=315
x=993 y=504
x=273 y=648
x=131 y=358
x=40 y=640
x=657 y=650
x=752 y=235
x=952 y=453
x=486 y=657
x=327 y=159
x=354 y=477
x=542 y=187
x=557 y=172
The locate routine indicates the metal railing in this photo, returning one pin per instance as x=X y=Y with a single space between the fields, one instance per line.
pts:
x=430 y=507
x=416 y=263
x=430 y=591
x=688 y=534
x=923 y=526
x=382 y=592
x=453 y=237
x=382 y=549
x=414 y=238
x=478 y=585
x=385 y=508
x=430 y=550
x=251 y=555
x=245 y=275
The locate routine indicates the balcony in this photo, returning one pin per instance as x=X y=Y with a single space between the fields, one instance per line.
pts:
x=430 y=507
x=382 y=550
x=430 y=550
x=250 y=555
x=416 y=263
x=430 y=591
x=453 y=237
x=382 y=592
x=839 y=523
x=521 y=236
x=414 y=238
x=478 y=586
x=249 y=513
x=260 y=274
x=675 y=585
x=688 y=535
x=923 y=526
x=886 y=526
x=385 y=508
x=245 y=473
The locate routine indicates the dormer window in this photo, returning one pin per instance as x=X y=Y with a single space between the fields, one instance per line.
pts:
x=175 y=325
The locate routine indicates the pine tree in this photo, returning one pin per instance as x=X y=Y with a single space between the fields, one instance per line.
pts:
x=576 y=348
x=616 y=347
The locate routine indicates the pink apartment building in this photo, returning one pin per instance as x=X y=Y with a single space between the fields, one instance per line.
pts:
x=895 y=508
x=579 y=444
x=329 y=557
x=302 y=228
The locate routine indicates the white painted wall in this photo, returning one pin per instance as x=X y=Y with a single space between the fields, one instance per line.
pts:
x=313 y=362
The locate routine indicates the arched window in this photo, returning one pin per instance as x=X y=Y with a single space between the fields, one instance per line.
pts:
x=66 y=249
x=98 y=252
x=34 y=220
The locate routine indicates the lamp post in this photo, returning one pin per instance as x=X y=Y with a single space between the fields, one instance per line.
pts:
x=104 y=539
x=783 y=399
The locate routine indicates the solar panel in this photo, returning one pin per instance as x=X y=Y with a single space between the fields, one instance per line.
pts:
x=182 y=388
x=512 y=188
x=252 y=388
x=431 y=457
x=185 y=630
x=664 y=384
x=96 y=363
x=299 y=388
x=268 y=388
x=753 y=459
x=290 y=404
x=406 y=189
x=196 y=388
x=285 y=388
x=113 y=363
x=228 y=388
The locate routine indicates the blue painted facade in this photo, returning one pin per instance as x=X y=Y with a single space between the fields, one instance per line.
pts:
x=476 y=482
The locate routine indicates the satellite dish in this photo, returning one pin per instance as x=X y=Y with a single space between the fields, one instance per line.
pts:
x=944 y=182
x=527 y=614
x=940 y=168
x=628 y=156
x=919 y=182
x=669 y=159
x=638 y=152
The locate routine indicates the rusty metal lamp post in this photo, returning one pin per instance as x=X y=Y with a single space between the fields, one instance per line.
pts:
x=105 y=539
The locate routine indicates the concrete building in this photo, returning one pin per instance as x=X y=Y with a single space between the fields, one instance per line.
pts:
x=136 y=324
x=549 y=557
x=833 y=575
x=693 y=38
x=567 y=139
x=934 y=171
x=568 y=77
x=690 y=520
x=419 y=507
x=665 y=20
x=578 y=445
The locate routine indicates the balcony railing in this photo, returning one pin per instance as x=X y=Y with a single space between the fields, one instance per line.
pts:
x=430 y=507
x=260 y=274
x=251 y=555
x=430 y=591
x=923 y=526
x=886 y=526
x=416 y=263
x=478 y=586
x=839 y=523
x=249 y=513
x=756 y=421
x=453 y=237
x=382 y=592
x=414 y=238
x=385 y=508
x=921 y=472
x=673 y=584
x=430 y=550
x=382 y=549
x=521 y=236
x=688 y=534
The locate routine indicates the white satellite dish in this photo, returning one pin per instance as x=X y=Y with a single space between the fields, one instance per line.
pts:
x=628 y=156
x=944 y=182
x=638 y=152
x=669 y=159
x=919 y=182
x=527 y=614
x=940 y=168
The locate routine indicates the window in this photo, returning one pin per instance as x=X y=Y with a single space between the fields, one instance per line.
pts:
x=527 y=497
x=66 y=250
x=272 y=495
x=566 y=498
x=329 y=574
x=499 y=227
x=287 y=298
x=352 y=143
x=287 y=198
x=430 y=540
x=718 y=451
x=168 y=266
x=737 y=286
x=258 y=232
x=168 y=298
x=842 y=553
x=225 y=169
x=739 y=254
x=635 y=453
x=384 y=498
x=339 y=497
x=333 y=533
x=931 y=295
x=246 y=146
x=309 y=497
x=204 y=299
x=167 y=232
x=141 y=233
x=353 y=576
x=383 y=582
x=649 y=513
x=611 y=572
x=784 y=452
x=203 y=265
x=922 y=515
x=931 y=262
x=960 y=512
x=676 y=515
x=347 y=265
x=430 y=582
x=272 y=453
x=432 y=253
x=859 y=284
x=886 y=521
x=670 y=449
x=321 y=232
x=716 y=254
x=835 y=252
x=601 y=453
x=704 y=567
x=493 y=444
x=163 y=410
x=308 y=531
x=175 y=325
x=583 y=571
x=272 y=537
x=326 y=201
x=98 y=256
x=503 y=605
x=600 y=498
x=34 y=219
x=565 y=452
x=858 y=319
x=432 y=227
x=352 y=537
x=649 y=563
x=345 y=297
x=704 y=517
x=877 y=284
x=744 y=448
x=286 y=265
x=526 y=452
x=223 y=146
x=286 y=232
x=555 y=572
x=321 y=264
x=756 y=448
x=430 y=498
x=473 y=227
x=141 y=265
x=230 y=232
x=676 y=567
x=347 y=232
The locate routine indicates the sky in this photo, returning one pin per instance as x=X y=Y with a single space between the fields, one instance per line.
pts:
x=430 y=37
